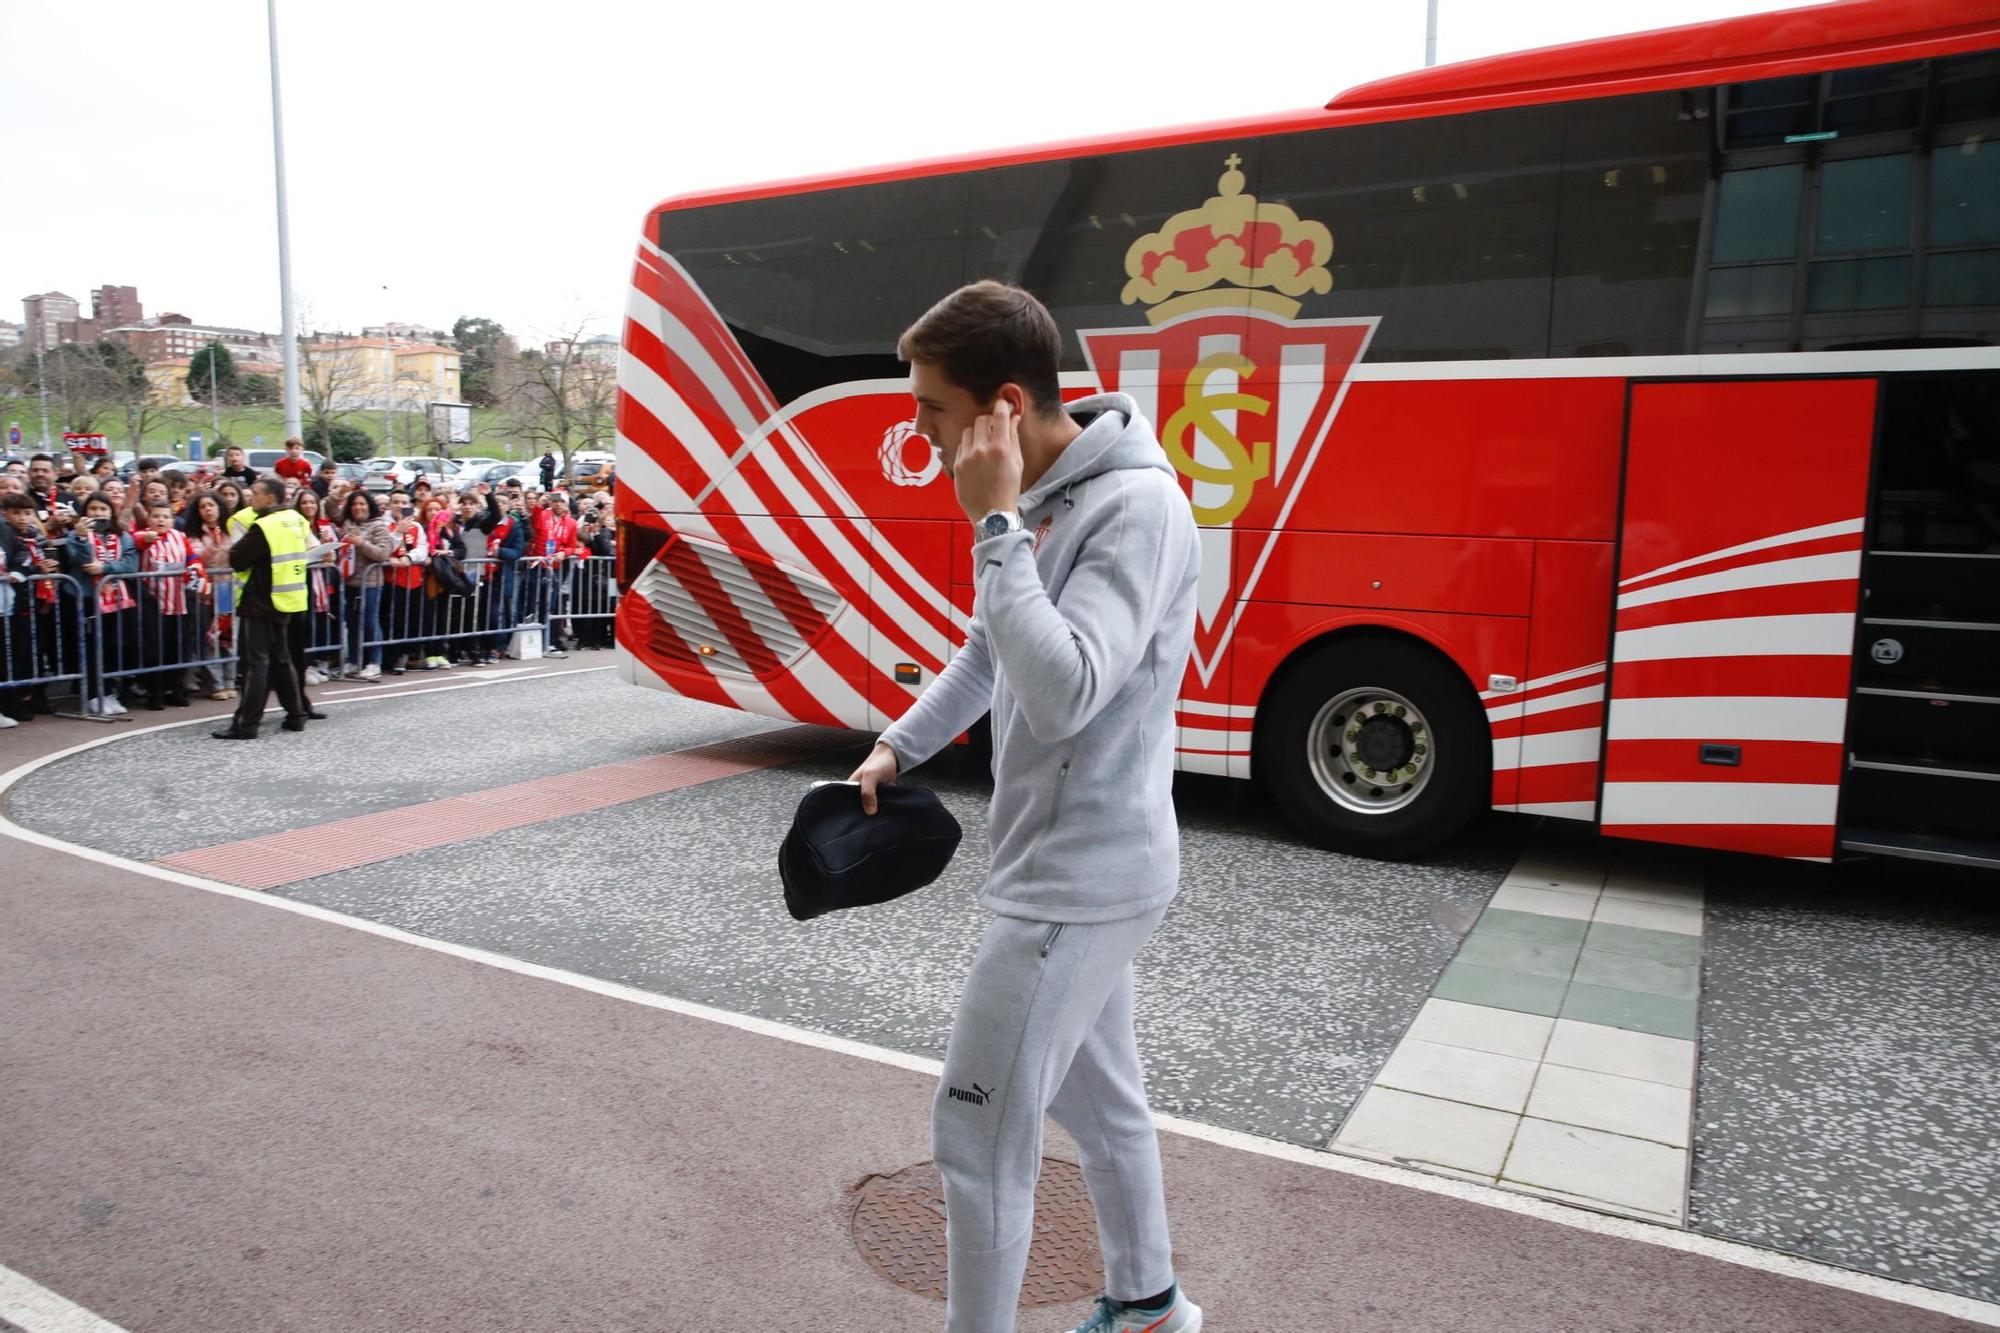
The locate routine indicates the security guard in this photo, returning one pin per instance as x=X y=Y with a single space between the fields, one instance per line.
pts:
x=270 y=563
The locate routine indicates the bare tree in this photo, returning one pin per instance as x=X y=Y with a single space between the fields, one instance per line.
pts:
x=333 y=384
x=562 y=396
x=146 y=412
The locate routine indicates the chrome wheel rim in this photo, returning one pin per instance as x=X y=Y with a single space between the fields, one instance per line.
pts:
x=1370 y=750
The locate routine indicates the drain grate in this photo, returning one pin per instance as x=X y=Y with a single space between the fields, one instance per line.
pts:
x=899 y=1228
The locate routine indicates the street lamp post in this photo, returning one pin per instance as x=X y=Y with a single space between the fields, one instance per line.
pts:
x=290 y=334
x=42 y=378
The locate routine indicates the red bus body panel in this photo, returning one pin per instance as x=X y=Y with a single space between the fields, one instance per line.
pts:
x=1498 y=511
x=1738 y=577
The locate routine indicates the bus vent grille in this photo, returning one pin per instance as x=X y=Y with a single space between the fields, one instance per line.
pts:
x=737 y=613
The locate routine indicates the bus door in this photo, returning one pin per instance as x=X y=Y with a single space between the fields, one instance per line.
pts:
x=1738 y=579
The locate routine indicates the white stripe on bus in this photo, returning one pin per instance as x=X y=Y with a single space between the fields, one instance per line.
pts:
x=1828 y=634
x=1832 y=567
x=1720 y=803
x=1792 y=538
x=1728 y=718
x=1548 y=703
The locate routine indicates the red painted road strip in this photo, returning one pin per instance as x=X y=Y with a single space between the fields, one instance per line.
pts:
x=300 y=854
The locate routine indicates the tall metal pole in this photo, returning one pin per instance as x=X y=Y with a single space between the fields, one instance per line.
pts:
x=290 y=334
x=1431 y=34
x=42 y=378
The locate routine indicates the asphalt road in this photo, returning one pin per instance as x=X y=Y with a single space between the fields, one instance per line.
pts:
x=1848 y=1069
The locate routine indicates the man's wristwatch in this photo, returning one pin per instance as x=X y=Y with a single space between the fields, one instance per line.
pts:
x=998 y=522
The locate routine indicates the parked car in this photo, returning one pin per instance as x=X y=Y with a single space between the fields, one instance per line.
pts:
x=129 y=466
x=385 y=474
x=590 y=479
x=528 y=474
x=477 y=470
x=352 y=472
x=263 y=460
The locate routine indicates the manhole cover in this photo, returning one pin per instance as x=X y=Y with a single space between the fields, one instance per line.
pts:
x=899 y=1229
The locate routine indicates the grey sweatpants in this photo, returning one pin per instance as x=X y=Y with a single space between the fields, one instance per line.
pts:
x=1045 y=1025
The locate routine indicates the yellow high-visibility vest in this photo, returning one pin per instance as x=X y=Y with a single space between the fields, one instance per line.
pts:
x=289 y=538
x=238 y=524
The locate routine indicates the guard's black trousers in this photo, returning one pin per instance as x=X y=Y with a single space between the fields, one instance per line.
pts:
x=263 y=650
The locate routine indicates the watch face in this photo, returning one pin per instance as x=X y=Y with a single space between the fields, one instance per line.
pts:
x=995 y=524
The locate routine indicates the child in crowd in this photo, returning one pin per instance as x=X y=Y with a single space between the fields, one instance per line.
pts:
x=97 y=553
x=206 y=524
x=171 y=593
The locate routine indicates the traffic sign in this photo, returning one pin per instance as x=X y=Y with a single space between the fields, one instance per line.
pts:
x=14 y=434
x=194 y=446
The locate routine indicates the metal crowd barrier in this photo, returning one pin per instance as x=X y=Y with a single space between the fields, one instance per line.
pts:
x=594 y=595
x=74 y=641
x=171 y=629
x=507 y=598
x=43 y=640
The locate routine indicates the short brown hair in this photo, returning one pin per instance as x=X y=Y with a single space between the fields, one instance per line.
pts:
x=987 y=334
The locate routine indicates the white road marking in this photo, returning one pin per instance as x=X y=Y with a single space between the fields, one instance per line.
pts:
x=35 y=1308
x=1746 y=1256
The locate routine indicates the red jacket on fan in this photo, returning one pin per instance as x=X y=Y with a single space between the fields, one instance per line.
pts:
x=555 y=535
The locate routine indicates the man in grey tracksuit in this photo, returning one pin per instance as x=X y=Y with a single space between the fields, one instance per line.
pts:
x=1085 y=560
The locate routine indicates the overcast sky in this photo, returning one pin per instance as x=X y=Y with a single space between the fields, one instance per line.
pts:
x=488 y=157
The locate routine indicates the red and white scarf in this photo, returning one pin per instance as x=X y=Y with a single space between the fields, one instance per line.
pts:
x=45 y=591
x=113 y=594
x=167 y=553
x=321 y=575
x=413 y=546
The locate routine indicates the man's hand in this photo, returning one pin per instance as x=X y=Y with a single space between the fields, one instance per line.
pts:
x=987 y=468
x=878 y=768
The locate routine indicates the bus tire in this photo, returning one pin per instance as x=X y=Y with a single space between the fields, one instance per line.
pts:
x=1375 y=745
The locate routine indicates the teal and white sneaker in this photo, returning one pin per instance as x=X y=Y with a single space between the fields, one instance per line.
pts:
x=1178 y=1315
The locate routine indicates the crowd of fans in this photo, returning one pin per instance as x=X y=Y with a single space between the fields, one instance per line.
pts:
x=421 y=578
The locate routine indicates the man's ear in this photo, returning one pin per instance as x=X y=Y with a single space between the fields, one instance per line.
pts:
x=1016 y=396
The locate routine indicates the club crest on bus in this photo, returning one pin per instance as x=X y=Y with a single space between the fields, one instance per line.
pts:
x=1241 y=391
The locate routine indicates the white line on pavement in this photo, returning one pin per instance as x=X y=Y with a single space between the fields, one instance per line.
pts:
x=36 y=1309
x=1727 y=1251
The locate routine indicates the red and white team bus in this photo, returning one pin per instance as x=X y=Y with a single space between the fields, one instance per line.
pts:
x=1608 y=432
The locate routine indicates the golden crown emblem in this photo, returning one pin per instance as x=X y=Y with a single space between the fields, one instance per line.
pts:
x=1262 y=255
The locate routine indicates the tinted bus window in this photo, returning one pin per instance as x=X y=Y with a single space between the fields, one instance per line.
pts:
x=1635 y=172
x=1965 y=194
x=817 y=287
x=1063 y=229
x=1445 y=228
x=1757 y=213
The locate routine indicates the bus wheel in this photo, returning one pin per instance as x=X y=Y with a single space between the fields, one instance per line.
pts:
x=1375 y=746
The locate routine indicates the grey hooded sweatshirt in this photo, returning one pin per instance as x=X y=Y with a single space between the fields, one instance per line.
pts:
x=1081 y=628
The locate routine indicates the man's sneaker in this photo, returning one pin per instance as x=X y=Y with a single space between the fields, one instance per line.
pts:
x=1178 y=1315
x=373 y=671
x=314 y=676
x=6 y=722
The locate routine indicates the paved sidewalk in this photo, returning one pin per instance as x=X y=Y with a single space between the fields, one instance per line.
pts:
x=224 y=1116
